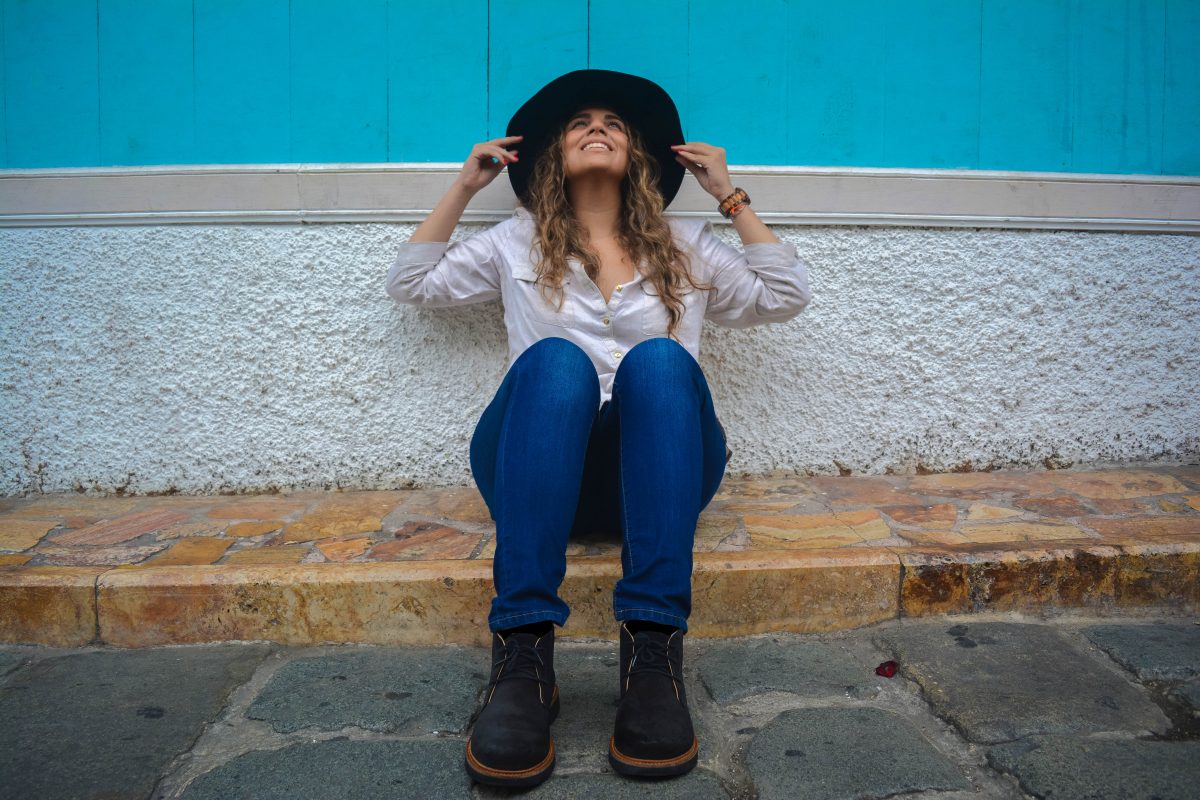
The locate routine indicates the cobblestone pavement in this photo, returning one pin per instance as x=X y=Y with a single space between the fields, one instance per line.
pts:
x=986 y=706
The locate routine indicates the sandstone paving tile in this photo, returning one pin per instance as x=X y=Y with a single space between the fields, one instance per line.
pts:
x=842 y=493
x=1020 y=531
x=1086 y=768
x=62 y=505
x=365 y=769
x=713 y=529
x=1124 y=507
x=340 y=514
x=978 y=512
x=187 y=551
x=976 y=485
x=1138 y=530
x=344 y=549
x=766 y=487
x=370 y=603
x=802 y=591
x=281 y=554
x=240 y=530
x=733 y=671
x=846 y=753
x=488 y=550
x=123 y=528
x=22 y=534
x=14 y=559
x=412 y=691
x=786 y=531
x=426 y=541
x=185 y=529
x=258 y=508
x=946 y=538
x=997 y=681
x=1115 y=484
x=1064 y=506
x=1193 y=501
x=82 y=556
x=1022 y=579
x=48 y=605
x=1163 y=574
x=940 y=516
x=1155 y=651
x=131 y=715
x=460 y=504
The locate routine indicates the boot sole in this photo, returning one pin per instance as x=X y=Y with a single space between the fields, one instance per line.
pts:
x=651 y=767
x=515 y=777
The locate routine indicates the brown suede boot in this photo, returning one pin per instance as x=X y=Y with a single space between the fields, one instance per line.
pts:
x=653 y=735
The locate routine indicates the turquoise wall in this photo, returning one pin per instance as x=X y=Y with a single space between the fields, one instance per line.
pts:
x=1059 y=85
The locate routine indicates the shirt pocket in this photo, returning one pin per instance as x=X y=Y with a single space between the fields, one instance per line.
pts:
x=654 y=313
x=541 y=308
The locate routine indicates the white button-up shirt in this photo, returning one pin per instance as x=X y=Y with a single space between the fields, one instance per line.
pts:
x=766 y=283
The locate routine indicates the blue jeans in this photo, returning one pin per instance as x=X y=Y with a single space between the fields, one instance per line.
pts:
x=550 y=465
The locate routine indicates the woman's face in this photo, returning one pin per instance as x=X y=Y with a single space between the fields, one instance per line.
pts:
x=597 y=142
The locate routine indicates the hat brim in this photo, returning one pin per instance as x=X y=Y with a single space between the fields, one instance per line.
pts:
x=639 y=101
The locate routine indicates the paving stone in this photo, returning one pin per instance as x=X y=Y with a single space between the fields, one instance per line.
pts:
x=1187 y=694
x=1076 y=768
x=734 y=671
x=106 y=724
x=696 y=785
x=833 y=753
x=998 y=681
x=1153 y=652
x=123 y=528
x=21 y=534
x=588 y=687
x=340 y=768
x=413 y=690
x=10 y=660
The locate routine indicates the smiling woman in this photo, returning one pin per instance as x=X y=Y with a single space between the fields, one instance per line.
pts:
x=604 y=423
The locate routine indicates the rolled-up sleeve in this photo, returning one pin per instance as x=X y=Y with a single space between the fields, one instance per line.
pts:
x=766 y=283
x=447 y=273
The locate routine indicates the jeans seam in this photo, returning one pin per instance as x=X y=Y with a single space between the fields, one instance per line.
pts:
x=652 y=611
x=552 y=615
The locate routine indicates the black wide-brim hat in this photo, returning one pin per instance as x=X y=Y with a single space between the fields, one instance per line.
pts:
x=641 y=102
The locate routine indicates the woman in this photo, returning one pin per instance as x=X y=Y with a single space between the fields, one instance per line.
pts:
x=604 y=421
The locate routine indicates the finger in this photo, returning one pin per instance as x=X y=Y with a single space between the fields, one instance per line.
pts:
x=501 y=155
x=504 y=139
x=699 y=147
x=689 y=164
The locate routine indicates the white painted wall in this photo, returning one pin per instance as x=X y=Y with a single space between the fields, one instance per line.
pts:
x=205 y=358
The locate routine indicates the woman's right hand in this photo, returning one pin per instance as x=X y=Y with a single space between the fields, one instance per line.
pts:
x=486 y=161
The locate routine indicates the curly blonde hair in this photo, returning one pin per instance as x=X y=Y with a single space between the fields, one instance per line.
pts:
x=642 y=231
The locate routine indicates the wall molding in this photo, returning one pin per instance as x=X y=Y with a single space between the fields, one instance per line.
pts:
x=393 y=192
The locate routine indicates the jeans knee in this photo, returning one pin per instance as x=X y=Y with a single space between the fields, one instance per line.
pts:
x=562 y=368
x=658 y=359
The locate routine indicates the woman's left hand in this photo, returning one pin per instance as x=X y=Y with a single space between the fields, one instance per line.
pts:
x=707 y=163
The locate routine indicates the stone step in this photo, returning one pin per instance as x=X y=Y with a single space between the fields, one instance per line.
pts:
x=772 y=553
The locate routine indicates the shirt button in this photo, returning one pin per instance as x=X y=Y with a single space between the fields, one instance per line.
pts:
x=605 y=320
x=617 y=354
x=618 y=287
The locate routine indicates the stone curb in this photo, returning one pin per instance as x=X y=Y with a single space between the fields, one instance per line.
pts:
x=446 y=602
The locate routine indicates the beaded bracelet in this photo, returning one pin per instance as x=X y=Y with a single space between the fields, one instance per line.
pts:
x=737 y=198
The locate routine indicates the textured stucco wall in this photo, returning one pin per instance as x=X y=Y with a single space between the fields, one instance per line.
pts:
x=245 y=357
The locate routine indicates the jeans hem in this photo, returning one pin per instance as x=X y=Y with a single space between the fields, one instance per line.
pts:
x=527 y=618
x=652 y=615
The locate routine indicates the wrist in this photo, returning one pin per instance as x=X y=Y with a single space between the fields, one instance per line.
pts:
x=720 y=193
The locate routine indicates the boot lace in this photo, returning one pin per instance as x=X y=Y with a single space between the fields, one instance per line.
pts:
x=521 y=661
x=651 y=655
